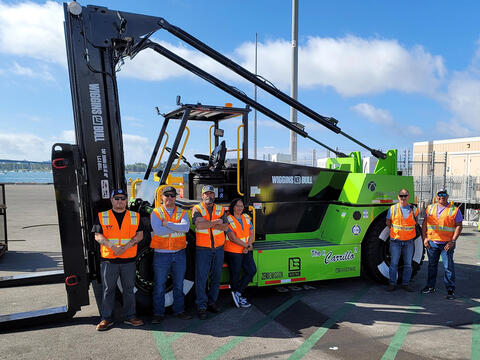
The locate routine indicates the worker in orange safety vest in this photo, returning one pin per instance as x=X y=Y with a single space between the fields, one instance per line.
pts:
x=170 y=224
x=211 y=223
x=118 y=232
x=401 y=219
x=441 y=228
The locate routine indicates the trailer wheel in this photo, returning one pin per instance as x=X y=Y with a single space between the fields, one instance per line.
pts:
x=376 y=252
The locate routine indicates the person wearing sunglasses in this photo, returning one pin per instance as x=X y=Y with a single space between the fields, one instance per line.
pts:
x=401 y=219
x=118 y=233
x=170 y=224
x=440 y=230
x=211 y=223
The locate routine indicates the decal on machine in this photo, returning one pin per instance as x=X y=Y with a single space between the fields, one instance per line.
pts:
x=330 y=257
x=356 y=230
x=96 y=107
x=294 y=180
x=294 y=266
x=272 y=275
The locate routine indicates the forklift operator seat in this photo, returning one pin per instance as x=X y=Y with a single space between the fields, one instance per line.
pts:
x=216 y=160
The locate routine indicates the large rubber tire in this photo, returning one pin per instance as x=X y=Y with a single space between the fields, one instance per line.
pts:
x=145 y=277
x=376 y=252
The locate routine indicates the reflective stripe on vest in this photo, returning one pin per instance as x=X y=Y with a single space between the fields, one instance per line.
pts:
x=241 y=233
x=441 y=228
x=172 y=241
x=402 y=229
x=203 y=238
x=118 y=236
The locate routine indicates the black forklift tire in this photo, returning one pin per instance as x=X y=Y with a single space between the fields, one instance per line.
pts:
x=145 y=279
x=376 y=253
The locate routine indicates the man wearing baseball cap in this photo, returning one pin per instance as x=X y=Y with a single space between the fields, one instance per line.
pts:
x=441 y=228
x=211 y=223
x=118 y=233
x=170 y=224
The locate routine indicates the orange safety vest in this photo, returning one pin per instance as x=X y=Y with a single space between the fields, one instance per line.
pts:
x=118 y=236
x=203 y=237
x=241 y=233
x=402 y=229
x=173 y=241
x=442 y=228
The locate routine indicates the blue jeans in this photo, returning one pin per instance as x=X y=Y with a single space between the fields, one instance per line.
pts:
x=237 y=262
x=208 y=261
x=164 y=264
x=404 y=248
x=110 y=273
x=434 y=253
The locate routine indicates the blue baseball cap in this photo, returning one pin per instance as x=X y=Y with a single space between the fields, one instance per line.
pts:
x=118 y=192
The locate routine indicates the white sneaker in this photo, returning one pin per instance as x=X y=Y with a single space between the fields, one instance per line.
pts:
x=236 y=298
x=243 y=302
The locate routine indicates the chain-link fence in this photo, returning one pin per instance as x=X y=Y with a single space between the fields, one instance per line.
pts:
x=429 y=173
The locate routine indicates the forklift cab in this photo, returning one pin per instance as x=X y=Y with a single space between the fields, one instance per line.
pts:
x=225 y=173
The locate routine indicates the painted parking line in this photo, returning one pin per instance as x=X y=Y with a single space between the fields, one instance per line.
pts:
x=475 y=350
x=336 y=317
x=401 y=333
x=253 y=329
x=163 y=342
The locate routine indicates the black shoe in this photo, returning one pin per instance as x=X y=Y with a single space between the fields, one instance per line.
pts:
x=450 y=295
x=213 y=308
x=428 y=290
x=391 y=287
x=202 y=314
x=157 y=319
x=183 y=316
x=408 y=288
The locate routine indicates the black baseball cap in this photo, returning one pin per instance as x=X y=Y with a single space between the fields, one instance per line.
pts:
x=442 y=191
x=118 y=192
x=170 y=190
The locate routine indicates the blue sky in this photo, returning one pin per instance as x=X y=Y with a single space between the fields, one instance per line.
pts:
x=392 y=73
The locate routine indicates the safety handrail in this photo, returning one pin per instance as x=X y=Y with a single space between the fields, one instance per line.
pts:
x=161 y=154
x=238 y=160
x=133 y=183
x=252 y=209
x=210 y=139
x=183 y=149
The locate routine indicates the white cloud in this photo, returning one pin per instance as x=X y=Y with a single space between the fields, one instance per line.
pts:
x=385 y=119
x=24 y=147
x=29 y=72
x=136 y=149
x=33 y=30
x=377 y=116
x=351 y=65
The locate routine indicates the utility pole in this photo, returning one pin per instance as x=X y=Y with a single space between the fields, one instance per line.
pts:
x=294 y=86
x=255 y=111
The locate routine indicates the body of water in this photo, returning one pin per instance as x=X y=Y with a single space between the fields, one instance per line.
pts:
x=43 y=177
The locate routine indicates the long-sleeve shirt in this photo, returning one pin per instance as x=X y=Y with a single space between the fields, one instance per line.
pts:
x=159 y=229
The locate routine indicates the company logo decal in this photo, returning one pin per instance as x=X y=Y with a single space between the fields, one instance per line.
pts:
x=371 y=186
x=295 y=180
x=330 y=257
x=294 y=266
x=356 y=229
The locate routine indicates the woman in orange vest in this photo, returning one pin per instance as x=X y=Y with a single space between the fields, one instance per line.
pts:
x=402 y=219
x=239 y=251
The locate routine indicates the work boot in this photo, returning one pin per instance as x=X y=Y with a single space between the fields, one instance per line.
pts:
x=202 y=314
x=104 y=325
x=157 y=319
x=391 y=287
x=214 y=308
x=408 y=288
x=450 y=295
x=133 y=322
x=183 y=316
